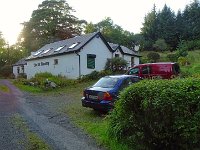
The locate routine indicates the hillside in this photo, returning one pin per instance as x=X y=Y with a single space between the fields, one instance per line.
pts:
x=193 y=58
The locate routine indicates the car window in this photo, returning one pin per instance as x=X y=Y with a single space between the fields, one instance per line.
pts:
x=133 y=71
x=136 y=79
x=126 y=83
x=146 y=70
x=106 y=82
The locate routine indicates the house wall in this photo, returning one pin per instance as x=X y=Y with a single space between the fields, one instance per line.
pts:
x=98 y=48
x=128 y=59
x=67 y=66
x=117 y=52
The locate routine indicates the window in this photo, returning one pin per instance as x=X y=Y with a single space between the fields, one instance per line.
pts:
x=133 y=71
x=17 y=69
x=91 y=61
x=46 y=51
x=116 y=55
x=59 y=48
x=37 y=53
x=146 y=70
x=55 y=61
x=74 y=45
x=22 y=69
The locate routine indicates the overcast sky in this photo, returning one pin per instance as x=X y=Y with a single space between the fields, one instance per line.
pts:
x=128 y=14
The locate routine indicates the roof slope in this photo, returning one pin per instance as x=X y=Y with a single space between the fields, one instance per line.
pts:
x=123 y=49
x=21 y=62
x=65 y=46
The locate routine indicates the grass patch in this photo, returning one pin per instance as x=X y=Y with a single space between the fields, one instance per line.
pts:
x=27 y=88
x=4 y=88
x=33 y=141
x=90 y=121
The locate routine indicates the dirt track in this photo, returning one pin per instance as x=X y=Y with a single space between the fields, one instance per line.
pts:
x=43 y=117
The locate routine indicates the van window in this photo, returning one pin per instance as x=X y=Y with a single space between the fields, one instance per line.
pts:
x=134 y=71
x=146 y=70
x=176 y=68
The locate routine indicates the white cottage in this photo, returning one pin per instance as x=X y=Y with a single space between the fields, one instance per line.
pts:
x=74 y=57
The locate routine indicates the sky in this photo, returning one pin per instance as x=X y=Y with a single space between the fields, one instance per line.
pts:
x=129 y=14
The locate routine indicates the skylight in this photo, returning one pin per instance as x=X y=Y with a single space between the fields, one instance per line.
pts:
x=59 y=48
x=46 y=51
x=37 y=53
x=74 y=44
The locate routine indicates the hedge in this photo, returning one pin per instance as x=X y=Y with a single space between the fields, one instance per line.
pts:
x=158 y=114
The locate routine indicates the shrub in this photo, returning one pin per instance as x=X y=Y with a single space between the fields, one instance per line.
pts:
x=183 y=61
x=158 y=114
x=40 y=80
x=153 y=56
x=116 y=64
x=172 y=57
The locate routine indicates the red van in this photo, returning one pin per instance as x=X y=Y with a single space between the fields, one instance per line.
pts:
x=162 y=70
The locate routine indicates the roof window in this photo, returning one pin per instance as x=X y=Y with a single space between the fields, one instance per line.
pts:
x=46 y=51
x=37 y=53
x=59 y=48
x=74 y=45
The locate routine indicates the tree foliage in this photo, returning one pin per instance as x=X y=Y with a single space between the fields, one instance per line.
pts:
x=52 y=21
x=173 y=28
x=113 y=33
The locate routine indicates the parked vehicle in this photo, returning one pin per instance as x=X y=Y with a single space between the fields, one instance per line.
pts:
x=103 y=94
x=164 y=70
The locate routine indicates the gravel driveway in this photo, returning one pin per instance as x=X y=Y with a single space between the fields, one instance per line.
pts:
x=44 y=118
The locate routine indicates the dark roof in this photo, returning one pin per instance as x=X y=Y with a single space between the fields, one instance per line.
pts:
x=123 y=49
x=20 y=62
x=66 y=46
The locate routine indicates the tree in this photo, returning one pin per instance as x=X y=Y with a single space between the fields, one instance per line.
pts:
x=167 y=27
x=3 y=51
x=192 y=21
x=160 y=45
x=113 y=33
x=52 y=21
x=149 y=29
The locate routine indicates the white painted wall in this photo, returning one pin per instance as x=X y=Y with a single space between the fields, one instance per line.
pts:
x=117 y=52
x=97 y=47
x=67 y=66
x=128 y=59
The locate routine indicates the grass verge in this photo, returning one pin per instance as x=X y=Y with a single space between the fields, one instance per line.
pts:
x=33 y=141
x=4 y=88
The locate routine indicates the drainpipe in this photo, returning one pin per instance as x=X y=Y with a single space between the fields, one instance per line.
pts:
x=79 y=63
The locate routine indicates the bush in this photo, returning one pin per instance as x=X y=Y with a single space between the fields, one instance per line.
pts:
x=116 y=64
x=153 y=57
x=172 y=57
x=40 y=80
x=160 y=45
x=158 y=114
x=183 y=61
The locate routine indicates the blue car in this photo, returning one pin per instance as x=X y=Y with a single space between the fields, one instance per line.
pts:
x=102 y=95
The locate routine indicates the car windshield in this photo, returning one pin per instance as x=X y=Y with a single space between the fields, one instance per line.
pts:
x=106 y=82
